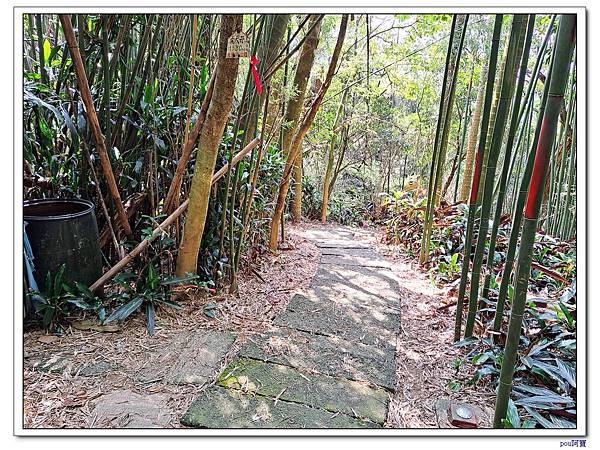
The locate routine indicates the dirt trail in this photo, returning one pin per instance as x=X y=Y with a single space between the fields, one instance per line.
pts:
x=313 y=340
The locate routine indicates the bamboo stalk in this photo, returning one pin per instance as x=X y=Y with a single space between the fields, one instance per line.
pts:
x=518 y=213
x=560 y=71
x=472 y=140
x=425 y=239
x=566 y=215
x=506 y=92
x=507 y=157
x=40 y=42
x=437 y=195
x=128 y=87
x=192 y=74
x=462 y=139
x=164 y=225
x=473 y=200
x=86 y=96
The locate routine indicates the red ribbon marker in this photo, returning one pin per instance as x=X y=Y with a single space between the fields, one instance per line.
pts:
x=253 y=64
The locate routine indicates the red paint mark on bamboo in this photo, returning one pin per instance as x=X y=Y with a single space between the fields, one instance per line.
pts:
x=253 y=65
x=476 y=175
x=542 y=159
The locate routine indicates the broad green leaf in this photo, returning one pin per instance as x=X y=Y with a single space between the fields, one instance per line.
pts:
x=124 y=311
x=47 y=50
x=151 y=318
x=58 y=280
x=512 y=415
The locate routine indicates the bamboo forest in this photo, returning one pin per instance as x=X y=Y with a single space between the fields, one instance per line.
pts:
x=296 y=220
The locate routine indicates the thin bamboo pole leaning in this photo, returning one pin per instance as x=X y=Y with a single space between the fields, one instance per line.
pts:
x=164 y=225
x=560 y=72
x=461 y=148
x=86 y=96
x=437 y=194
x=192 y=74
x=425 y=239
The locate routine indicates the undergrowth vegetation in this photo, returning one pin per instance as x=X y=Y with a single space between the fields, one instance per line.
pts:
x=545 y=382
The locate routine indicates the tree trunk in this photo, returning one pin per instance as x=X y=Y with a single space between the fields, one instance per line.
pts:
x=296 y=143
x=472 y=142
x=189 y=139
x=294 y=107
x=208 y=147
x=276 y=26
x=331 y=156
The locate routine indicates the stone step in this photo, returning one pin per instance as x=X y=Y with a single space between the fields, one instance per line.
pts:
x=336 y=395
x=354 y=260
x=352 y=322
x=192 y=357
x=369 y=287
x=327 y=355
x=339 y=243
x=218 y=407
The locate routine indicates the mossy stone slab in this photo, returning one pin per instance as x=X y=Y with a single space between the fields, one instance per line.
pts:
x=218 y=407
x=320 y=391
x=328 y=355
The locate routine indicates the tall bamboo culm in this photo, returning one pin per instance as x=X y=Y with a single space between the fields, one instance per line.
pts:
x=473 y=200
x=457 y=35
x=508 y=80
x=507 y=157
x=559 y=74
x=520 y=203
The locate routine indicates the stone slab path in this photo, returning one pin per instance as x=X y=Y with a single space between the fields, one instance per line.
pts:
x=331 y=361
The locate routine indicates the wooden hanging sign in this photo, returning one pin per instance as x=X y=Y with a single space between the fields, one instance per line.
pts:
x=238 y=45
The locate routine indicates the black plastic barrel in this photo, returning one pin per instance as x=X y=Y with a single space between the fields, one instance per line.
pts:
x=63 y=232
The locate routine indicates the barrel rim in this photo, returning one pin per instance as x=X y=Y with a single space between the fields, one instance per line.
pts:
x=89 y=208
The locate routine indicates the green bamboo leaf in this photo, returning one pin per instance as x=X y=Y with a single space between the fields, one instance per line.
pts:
x=84 y=289
x=512 y=415
x=546 y=401
x=151 y=318
x=48 y=316
x=171 y=303
x=124 y=311
x=58 y=280
x=79 y=302
x=538 y=417
x=47 y=50
x=567 y=372
x=559 y=422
